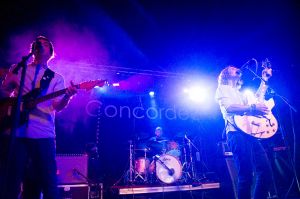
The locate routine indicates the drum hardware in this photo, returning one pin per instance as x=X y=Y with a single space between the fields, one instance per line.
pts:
x=189 y=166
x=138 y=167
x=131 y=170
x=141 y=167
x=165 y=165
x=185 y=167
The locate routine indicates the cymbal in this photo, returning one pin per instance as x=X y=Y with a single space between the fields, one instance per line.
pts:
x=143 y=149
x=160 y=141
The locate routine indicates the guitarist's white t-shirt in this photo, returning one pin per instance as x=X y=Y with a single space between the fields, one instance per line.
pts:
x=41 y=122
x=225 y=96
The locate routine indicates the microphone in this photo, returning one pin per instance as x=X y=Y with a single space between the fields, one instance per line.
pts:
x=22 y=63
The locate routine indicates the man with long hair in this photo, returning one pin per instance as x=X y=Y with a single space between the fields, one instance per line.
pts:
x=248 y=153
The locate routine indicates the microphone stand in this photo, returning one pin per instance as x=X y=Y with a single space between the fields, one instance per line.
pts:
x=291 y=110
x=16 y=114
x=23 y=65
x=77 y=172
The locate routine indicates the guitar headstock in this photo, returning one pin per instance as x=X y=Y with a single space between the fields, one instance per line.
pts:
x=91 y=84
x=266 y=64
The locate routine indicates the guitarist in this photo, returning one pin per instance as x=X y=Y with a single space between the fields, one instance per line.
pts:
x=34 y=143
x=248 y=153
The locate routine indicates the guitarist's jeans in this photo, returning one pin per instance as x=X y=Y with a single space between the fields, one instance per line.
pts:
x=32 y=162
x=250 y=158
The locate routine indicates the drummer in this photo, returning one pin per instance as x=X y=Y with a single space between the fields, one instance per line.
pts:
x=158 y=143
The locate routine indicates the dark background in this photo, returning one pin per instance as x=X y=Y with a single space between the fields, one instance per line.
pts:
x=160 y=46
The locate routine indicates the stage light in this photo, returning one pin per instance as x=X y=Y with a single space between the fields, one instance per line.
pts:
x=197 y=94
x=185 y=90
x=116 y=84
x=100 y=89
x=151 y=93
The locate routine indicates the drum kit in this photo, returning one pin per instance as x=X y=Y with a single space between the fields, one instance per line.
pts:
x=163 y=161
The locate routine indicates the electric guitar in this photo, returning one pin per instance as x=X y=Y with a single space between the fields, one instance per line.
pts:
x=263 y=126
x=29 y=102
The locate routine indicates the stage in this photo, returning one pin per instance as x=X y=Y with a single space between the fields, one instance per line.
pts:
x=133 y=190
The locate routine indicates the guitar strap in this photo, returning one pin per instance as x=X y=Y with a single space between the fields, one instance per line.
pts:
x=224 y=135
x=45 y=81
x=44 y=85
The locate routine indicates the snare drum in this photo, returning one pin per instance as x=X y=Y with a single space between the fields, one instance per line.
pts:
x=168 y=169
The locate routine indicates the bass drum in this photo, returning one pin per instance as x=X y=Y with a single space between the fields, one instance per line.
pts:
x=168 y=169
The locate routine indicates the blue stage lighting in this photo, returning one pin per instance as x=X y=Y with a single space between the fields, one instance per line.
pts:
x=196 y=94
x=151 y=93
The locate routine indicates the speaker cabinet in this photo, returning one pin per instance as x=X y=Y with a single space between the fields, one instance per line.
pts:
x=72 y=169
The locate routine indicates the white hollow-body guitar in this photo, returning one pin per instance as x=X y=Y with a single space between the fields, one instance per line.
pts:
x=263 y=126
x=258 y=126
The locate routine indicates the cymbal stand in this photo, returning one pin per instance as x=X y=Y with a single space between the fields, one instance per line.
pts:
x=146 y=169
x=189 y=167
x=189 y=143
x=185 y=166
x=131 y=169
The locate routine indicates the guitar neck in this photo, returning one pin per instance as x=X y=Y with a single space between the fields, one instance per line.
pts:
x=261 y=92
x=84 y=85
x=266 y=74
x=50 y=96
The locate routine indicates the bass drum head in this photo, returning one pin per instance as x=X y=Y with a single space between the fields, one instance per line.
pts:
x=174 y=171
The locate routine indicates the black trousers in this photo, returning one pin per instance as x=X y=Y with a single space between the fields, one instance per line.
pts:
x=250 y=158
x=30 y=162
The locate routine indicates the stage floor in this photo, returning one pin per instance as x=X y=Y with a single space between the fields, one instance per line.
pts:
x=144 y=189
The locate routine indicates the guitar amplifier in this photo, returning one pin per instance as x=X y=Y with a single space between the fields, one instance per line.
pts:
x=71 y=169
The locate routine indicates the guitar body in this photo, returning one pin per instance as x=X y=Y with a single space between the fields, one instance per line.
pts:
x=7 y=110
x=258 y=126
